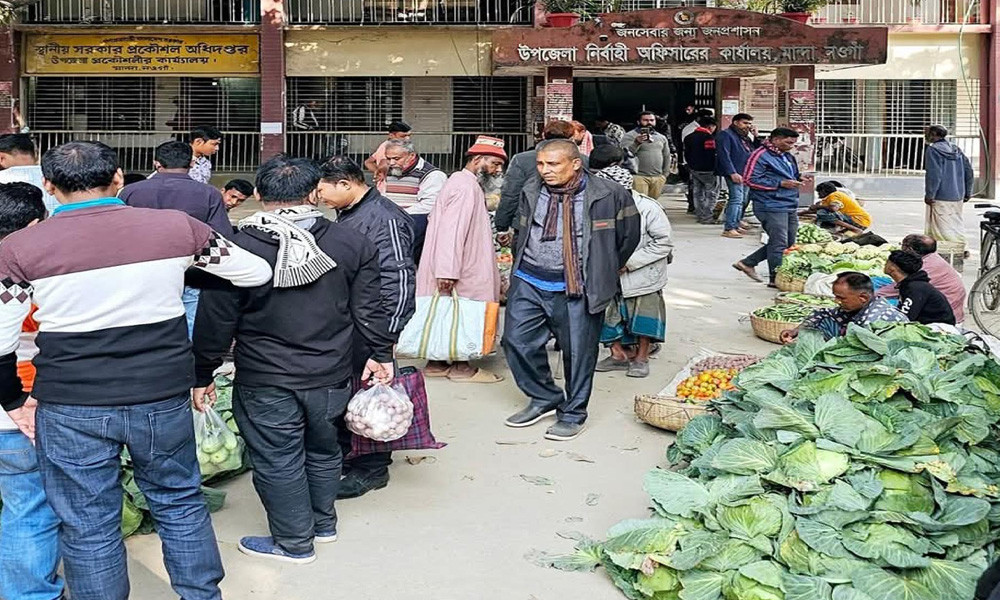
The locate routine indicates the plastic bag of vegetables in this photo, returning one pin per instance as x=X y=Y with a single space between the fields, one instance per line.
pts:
x=379 y=413
x=219 y=449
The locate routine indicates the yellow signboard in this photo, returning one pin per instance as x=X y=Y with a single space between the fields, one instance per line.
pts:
x=126 y=54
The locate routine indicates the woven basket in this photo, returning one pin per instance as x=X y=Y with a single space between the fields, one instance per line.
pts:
x=788 y=284
x=769 y=329
x=783 y=298
x=665 y=412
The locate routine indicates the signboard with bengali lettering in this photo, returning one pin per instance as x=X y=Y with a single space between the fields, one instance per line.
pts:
x=128 y=54
x=689 y=36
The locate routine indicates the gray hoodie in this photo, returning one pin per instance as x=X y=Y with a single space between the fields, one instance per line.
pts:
x=949 y=175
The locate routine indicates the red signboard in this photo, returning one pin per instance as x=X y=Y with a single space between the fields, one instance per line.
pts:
x=689 y=36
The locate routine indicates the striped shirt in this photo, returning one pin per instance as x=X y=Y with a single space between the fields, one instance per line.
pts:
x=416 y=190
x=107 y=280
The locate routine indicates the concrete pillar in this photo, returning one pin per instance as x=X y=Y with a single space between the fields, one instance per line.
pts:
x=272 y=78
x=729 y=92
x=10 y=78
x=989 y=90
x=559 y=93
x=796 y=88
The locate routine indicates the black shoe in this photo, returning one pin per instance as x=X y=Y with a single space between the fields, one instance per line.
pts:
x=358 y=484
x=528 y=416
x=564 y=432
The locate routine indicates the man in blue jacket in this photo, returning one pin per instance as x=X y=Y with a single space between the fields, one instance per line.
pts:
x=948 y=184
x=733 y=147
x=772 y=175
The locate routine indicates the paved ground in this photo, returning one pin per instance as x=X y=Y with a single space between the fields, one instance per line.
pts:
x=458 y=525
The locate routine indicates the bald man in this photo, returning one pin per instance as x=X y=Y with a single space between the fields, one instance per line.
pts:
x=942 y=275
x=574 y=233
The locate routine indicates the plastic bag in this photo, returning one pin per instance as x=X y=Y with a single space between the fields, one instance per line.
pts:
x=380 y=413
x=219 y=449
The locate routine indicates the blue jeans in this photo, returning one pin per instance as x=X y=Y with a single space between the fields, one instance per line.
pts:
x=79 y=450
x=734 y=208
x=781 y=230
x=190 y=300
x=29 y=530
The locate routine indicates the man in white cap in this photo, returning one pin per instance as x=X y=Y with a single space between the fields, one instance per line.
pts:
x=458 y=250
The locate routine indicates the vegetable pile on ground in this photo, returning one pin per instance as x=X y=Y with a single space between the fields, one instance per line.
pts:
x=713 y=375
x=813 y=234
x=789 y=313
x=863 y=468
x=136 y=517
x=806 y=299
x=801 y=261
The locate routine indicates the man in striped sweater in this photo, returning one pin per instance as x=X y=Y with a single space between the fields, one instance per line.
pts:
x=114 y=368
x=413 y=184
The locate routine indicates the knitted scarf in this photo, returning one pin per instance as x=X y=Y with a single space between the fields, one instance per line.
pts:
x=561 y=198
x=618 y=174
x=300 y=261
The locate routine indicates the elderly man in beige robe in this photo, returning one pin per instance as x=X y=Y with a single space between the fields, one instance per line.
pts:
x=458 y=251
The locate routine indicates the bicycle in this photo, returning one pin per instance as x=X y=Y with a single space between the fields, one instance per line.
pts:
x=984 y=297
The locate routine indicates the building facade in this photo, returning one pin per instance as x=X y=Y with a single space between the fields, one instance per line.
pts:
x=137 y=72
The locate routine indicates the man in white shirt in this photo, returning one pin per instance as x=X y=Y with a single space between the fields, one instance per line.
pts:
x=19 y=160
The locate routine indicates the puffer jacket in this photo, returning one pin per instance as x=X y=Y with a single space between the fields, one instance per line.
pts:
x=611 y=232
x=647 y=268
x=391 y=230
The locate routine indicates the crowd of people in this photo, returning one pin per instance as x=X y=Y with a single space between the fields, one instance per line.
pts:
x=124 y=294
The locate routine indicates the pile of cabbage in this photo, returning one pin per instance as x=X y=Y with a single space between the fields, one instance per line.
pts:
x=863 y=468
x=834 y=257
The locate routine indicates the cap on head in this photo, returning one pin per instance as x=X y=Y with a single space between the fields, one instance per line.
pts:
x=488 y=146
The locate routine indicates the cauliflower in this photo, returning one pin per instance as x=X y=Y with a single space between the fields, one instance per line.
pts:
x=833 y=249
x=850 y=247
x=867 y=253
x=811 y=248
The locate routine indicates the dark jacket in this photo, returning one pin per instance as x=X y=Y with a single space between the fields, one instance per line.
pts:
x=732 y=151
x=949 y=176
x=699 y=149
x=922 y=302
x=178 y=191
x=298 y=338
x=523 y=168
x=612 y=229
x=391 y=230
x=764 y=172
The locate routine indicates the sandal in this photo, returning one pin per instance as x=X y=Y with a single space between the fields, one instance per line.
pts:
x=480 y=376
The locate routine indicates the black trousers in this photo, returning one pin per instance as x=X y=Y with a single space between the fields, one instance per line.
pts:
x=419 y=233
x=533 y=316
x=296 y=459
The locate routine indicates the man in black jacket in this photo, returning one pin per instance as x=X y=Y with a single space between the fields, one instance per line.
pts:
x=574 y=234
x=368 y=212
x=293 y=353
x=699 y=148
x=918 y=299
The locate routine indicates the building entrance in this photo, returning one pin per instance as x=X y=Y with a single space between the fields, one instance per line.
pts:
x=620 y=100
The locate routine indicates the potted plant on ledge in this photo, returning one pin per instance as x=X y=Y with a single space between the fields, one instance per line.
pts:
x=800 y=10
x=564 y=13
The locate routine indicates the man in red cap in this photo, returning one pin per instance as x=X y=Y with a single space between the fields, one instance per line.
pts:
x=458 y=250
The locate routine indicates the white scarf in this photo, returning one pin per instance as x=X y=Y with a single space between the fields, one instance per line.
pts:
x=300 y=261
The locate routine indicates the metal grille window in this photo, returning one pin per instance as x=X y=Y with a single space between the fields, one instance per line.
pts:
x=135 y=114
x=876 y=126
x=484 y=104
x=348 y=103
x=144 y=11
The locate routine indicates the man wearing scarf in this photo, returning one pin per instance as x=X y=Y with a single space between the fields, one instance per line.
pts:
x=574 y=234
x=294 y=341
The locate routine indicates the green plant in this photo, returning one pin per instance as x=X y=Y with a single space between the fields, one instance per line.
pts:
x=584 y=8
x=9 y=9
x=802 y=6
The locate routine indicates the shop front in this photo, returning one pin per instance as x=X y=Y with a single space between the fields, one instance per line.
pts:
x=664 y=60
x=135 y=91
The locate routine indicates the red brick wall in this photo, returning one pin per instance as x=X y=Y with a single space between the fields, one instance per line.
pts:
x=9 y=78
x=272 y=75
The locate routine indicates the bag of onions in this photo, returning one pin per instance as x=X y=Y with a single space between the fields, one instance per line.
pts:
x=380 y=413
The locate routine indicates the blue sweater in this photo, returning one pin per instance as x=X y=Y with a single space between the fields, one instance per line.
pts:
x=949 y=176
x=764 y=172
x=732 y=152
